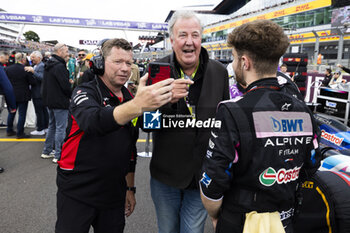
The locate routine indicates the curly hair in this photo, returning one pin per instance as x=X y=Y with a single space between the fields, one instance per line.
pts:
x=263 y=41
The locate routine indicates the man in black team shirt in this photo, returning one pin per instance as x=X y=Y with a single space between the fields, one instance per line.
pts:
x=267 y=142
x=95 y=175
x=327 y=77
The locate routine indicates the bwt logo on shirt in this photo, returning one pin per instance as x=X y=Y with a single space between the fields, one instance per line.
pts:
x=151 y=120
x=287 y=125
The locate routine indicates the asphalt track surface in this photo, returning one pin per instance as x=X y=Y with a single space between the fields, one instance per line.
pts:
x=28 y=189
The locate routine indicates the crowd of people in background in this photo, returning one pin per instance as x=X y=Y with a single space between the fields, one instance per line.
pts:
x=31 y=65
x=24 y=45
x=333 y=79
x=22 y=78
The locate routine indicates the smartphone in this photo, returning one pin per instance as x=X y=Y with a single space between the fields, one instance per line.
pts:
x=158 y=71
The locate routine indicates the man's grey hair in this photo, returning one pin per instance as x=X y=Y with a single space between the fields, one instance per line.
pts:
x=47 y=54
x=182 y=15
x=19 y=57
x=37 y=54
x=57 y=47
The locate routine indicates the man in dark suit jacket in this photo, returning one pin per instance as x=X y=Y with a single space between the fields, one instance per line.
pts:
x=42 y=116
x=20 y=80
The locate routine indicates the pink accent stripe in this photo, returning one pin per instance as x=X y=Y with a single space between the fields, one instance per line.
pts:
x=315 y=143
x=236 y=157
x=281 y=134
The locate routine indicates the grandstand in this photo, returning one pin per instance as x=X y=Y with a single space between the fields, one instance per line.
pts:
x=10 y=40
x=313 y=27
x=8 y=36
x=8 y=31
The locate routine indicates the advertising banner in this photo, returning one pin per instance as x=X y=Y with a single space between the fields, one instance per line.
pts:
x=81 y=22
x=274 y=14
x=341 y=17
x=88 y=42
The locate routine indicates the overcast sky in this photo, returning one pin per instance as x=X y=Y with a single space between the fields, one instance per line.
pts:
x=154 y=11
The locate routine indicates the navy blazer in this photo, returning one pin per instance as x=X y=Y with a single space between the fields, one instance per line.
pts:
x=20 y=80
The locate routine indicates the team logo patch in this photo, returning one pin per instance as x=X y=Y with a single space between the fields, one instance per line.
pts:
x=331 y=104
x=282 y=176
x=287 y=125
x=80 y=97
x=268 y=177
x=285 y=107
x=282 y=124
x=206 y=180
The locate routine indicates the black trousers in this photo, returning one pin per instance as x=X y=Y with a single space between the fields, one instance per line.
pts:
x=77 y=217
x=42 y=115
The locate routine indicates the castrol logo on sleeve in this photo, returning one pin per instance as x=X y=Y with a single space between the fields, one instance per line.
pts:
x=269 y=176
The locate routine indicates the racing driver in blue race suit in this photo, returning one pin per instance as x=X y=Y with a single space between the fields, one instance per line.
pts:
x=267 y=143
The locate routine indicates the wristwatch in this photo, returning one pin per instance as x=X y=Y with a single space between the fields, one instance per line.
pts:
x=131 y=189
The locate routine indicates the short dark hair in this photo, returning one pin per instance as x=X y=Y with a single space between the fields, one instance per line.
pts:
x=263 y=41
x=117 y=42
x=329 y=70
x=284 y=65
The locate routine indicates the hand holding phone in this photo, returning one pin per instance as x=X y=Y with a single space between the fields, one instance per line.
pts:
x=149 y=98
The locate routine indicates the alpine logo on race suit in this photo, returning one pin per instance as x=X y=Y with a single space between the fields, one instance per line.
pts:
x=270 y=176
